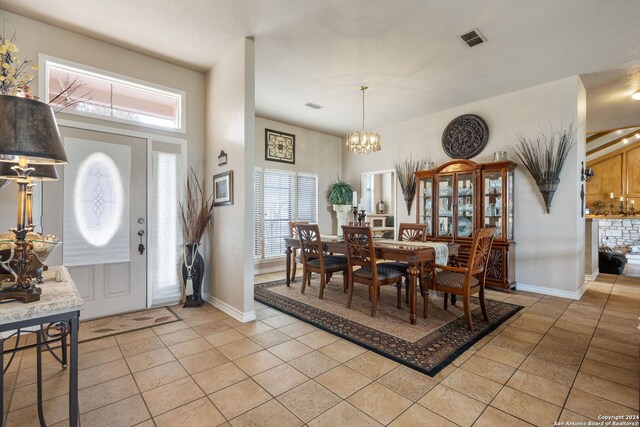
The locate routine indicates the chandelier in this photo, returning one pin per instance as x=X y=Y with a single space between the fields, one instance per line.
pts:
x=363 y=142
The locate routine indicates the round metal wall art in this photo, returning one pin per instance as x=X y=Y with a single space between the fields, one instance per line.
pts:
x=465 y=136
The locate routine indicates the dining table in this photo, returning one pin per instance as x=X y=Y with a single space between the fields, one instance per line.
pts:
x=415 y=254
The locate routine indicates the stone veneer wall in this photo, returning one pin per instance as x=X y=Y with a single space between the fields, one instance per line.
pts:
x=621 y=234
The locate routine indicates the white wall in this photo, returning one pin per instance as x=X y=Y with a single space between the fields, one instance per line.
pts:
x=317 y=153
x=33 y=37
x=230 y=126
x=550 y=248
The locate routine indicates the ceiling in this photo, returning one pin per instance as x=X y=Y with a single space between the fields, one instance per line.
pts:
x=602 y=143
x=407 y=51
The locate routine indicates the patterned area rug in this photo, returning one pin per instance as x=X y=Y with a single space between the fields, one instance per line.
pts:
x=428 y=346
x=114 y=325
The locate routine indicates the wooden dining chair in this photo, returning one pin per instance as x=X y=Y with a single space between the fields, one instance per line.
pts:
x=293 y=232
x=361 y=253
x=315 y=260
x=409 y=232
x=465 y=281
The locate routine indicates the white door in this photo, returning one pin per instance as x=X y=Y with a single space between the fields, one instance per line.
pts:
x=98 y=207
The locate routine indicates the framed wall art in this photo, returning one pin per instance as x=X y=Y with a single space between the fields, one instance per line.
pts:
x=223 y=189
x=279 y=146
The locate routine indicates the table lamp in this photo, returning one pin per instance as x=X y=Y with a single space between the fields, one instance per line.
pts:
x=28 y=136
x=39 y=173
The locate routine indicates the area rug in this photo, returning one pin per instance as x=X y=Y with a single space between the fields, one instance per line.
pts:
x=128 y=322
x=428 y=346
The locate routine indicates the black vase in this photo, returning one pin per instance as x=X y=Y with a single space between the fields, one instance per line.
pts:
x=193 y=268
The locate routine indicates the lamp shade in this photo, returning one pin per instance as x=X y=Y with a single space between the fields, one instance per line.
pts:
x=40 y=172
x=28 y=129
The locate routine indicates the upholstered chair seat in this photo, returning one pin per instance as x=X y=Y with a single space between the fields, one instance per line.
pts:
x=455 y=280
x=384 y=273
x=330 y=261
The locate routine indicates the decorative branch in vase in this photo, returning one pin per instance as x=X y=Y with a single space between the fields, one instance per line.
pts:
x=544 y=158
x=196 y=214
x=406 y=170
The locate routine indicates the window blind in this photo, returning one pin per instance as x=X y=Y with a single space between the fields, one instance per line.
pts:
x=257 y=213
x=279 y=198
x=278 y=202
x=307 y=192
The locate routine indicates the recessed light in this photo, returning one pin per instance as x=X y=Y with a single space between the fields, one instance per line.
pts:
x=624 y=141
x=636 y=95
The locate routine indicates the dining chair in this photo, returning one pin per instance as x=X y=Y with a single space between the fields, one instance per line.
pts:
x=314 y=260
x=361 y=253
x=465 y=281
x=409 y=232
x=293 y=233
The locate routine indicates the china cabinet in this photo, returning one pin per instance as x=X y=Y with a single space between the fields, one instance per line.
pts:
x=461 y=196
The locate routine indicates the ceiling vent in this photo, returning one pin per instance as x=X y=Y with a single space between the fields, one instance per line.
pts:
x=312 y=105
x=473 y=38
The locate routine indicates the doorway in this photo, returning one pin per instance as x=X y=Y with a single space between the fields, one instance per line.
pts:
x=119 y=190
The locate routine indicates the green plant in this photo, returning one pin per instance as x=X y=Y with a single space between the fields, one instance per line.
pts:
x=340 y=192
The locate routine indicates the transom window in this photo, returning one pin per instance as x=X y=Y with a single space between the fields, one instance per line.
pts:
x=281 y=197
x=112 y=97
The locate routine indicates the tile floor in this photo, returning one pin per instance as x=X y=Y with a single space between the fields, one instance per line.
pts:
x=557 y=360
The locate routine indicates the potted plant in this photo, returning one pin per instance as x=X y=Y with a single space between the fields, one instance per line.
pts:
x=340 y=196
x=195 y=215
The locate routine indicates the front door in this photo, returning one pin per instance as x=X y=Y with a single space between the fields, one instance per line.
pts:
x=98 y=207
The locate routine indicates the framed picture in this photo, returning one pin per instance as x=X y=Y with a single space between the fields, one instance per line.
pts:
x=223 y=189
x=279 y=146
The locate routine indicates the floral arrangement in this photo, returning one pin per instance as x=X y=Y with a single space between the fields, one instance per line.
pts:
x=14 y=75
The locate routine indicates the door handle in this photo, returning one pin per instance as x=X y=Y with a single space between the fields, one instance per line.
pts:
x=141 y=245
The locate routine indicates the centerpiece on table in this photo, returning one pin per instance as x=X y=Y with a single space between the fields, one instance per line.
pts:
x=340 y=196
x=196 y=214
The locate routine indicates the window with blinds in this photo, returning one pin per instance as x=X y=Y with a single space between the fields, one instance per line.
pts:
x=280 y=197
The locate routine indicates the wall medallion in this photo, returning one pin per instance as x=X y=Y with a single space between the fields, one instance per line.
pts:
x=465 y=136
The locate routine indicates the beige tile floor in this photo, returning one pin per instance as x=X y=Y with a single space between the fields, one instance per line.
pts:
x=556 y=360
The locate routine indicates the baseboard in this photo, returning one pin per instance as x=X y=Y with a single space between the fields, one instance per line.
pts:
x=553 y=292
x=592 y=277
x=273 y=269
x=231 y=311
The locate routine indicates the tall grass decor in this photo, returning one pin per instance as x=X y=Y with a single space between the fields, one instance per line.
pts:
x=196 y=210
x=196 y=214
x=406 y=170
x=544 y=158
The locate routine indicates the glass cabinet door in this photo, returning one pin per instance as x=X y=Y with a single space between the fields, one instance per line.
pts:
x=493 y=189
x=509 y=205
x=445 y=206
x=426 y=203
x=465 y=205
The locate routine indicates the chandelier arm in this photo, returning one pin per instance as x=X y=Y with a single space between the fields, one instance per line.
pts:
x=363 y=89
